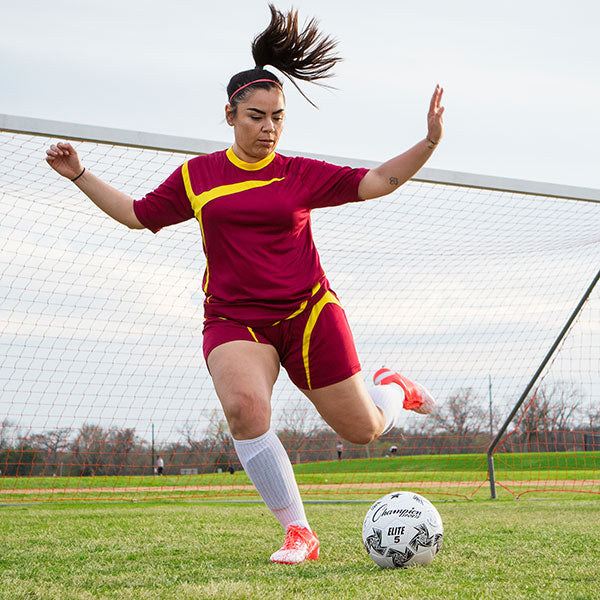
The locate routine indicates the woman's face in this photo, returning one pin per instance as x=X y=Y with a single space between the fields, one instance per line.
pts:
x=257 y=124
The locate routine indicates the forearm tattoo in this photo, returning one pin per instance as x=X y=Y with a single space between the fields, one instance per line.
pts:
x=393 y=181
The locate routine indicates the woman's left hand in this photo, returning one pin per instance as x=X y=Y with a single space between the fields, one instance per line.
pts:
x=393 y=173
x=435 y=122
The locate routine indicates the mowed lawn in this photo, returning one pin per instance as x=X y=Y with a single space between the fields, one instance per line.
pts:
x=574 y=471
x=492 y=549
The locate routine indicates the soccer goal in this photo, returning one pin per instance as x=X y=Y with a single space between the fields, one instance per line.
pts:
x=480 y=287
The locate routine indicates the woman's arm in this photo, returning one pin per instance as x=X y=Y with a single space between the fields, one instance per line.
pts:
x=393 y=173
x=63 y=158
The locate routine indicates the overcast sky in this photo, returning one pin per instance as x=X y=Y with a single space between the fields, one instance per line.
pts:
x=522 y=86
x=522 y=78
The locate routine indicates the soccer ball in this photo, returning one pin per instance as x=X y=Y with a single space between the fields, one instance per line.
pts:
x=401 y=530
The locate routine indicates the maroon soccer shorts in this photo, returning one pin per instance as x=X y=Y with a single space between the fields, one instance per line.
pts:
x=315 y=346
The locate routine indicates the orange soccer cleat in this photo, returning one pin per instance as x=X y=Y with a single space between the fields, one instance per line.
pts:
x=300 y=544
x=416 y=397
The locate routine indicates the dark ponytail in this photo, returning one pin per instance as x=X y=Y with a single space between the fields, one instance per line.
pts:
x=306 y=55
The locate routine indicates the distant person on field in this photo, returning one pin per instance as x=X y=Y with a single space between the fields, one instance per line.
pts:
x=393 y=450
x=340 y=449
x=268 y=302
x=160 y=465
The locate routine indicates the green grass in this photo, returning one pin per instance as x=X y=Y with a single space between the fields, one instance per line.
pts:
x=356 y=475
x=492 y=549
x=445 y=464
x=442 y=467
x=440 y=463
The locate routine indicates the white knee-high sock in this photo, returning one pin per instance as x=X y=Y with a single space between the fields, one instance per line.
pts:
x=389 y=398
x=269 y=468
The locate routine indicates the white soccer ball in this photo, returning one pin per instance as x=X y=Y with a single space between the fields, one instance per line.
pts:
x=401 y=530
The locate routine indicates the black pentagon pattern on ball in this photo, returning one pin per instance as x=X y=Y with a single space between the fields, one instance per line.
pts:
x=373 y=542
x=422 y=538
x=399 y=559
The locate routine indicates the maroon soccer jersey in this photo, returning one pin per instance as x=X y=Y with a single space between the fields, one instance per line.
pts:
x=261 y=261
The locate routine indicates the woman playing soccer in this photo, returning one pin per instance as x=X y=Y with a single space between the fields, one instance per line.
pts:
x=268 y=302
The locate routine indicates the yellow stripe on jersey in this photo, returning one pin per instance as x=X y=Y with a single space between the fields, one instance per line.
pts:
x=252 y=333
x=257 y=166
x=328 y=298
x=198 y=201
x=301 y=308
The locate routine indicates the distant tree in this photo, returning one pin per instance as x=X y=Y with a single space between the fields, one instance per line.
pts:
x=591 y=434
x=294 y=441
x=21 y=462
x=221 y=450
x=461 y=415
x=9 y=434
x=190 y=436
x=207 y=450
x=293 y=434
x=549 y=413
x=50 y=446
x=119 y=448
x=99 y=451
x=87 y=451
x=593 y=419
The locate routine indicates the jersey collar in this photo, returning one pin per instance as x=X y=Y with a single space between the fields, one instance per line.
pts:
x=257 y=166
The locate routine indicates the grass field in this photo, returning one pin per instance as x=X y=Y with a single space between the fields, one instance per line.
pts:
x=492 y=549
x=452 y=475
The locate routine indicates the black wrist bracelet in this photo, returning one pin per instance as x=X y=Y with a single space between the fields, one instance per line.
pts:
x=78 y=176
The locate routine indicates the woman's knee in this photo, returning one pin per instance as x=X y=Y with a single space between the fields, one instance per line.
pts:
x=243 y=375
x=361 y=433
x=248 y=413
x=349 y=410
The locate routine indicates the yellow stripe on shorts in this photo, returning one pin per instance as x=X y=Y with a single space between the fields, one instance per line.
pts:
x=328 y=298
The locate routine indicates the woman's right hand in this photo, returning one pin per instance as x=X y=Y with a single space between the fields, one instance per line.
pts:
x=63 y=158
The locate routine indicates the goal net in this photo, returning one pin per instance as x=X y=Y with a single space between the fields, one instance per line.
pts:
x=461 y=286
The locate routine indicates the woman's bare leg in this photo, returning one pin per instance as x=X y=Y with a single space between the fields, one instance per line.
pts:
x=244 y=374
x=349 y=410
x=360 y=415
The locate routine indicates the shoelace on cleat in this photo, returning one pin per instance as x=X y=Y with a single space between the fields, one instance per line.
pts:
x=293 y=539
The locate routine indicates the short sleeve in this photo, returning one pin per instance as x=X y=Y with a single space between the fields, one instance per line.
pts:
x=331 y=185
x=167 y=205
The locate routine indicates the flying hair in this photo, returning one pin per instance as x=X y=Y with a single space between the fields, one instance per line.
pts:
x=305 y=54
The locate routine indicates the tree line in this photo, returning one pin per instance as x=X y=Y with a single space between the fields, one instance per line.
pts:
x=553 y=419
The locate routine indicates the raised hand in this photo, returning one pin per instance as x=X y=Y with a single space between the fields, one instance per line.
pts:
x=435 y=122
x=63 y=158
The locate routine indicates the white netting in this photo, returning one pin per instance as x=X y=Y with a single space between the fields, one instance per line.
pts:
x=453 y=286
